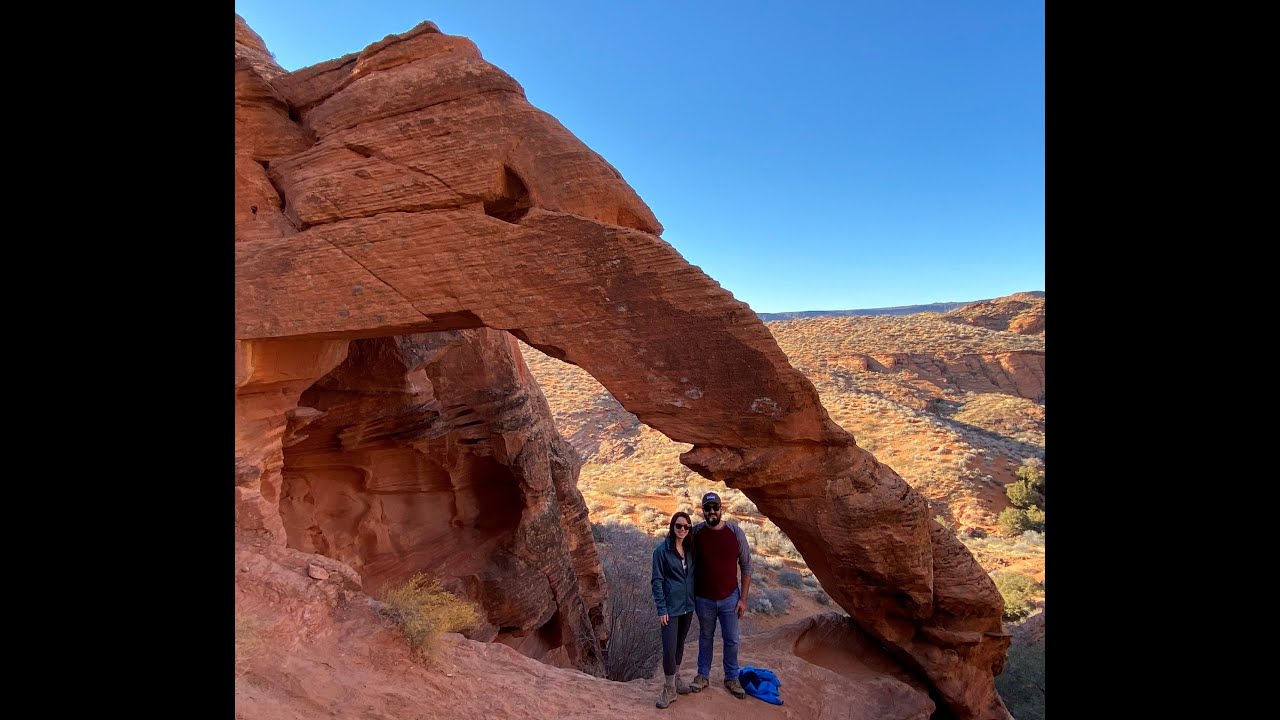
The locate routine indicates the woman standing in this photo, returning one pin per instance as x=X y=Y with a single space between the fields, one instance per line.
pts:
x=673 y=594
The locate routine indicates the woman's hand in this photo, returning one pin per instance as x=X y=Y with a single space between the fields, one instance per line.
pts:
x=662 y=619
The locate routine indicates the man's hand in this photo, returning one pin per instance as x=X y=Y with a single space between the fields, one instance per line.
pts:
x=663 y=618
x=742 y=607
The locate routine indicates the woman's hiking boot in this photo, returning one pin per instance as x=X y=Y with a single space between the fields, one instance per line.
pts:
x=667 y=697
x=684 y=688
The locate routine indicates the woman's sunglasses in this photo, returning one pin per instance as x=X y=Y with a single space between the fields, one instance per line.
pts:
x=681 y=526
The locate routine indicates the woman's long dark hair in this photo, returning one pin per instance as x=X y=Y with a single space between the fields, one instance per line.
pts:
x=671 y=531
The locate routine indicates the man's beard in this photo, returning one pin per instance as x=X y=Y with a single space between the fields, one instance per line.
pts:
x=713 y=520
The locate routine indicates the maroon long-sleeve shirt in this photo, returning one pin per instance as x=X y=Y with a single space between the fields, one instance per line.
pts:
x=719 y=555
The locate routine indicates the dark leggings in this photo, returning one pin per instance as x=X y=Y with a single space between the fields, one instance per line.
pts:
x=673 y=634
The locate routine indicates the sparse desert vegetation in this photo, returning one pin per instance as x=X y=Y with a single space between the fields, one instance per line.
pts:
x=424 y=610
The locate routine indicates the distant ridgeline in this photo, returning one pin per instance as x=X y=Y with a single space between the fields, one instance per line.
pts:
x=898 y=310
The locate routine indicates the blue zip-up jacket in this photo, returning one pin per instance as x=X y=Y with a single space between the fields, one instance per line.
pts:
x=672 y=584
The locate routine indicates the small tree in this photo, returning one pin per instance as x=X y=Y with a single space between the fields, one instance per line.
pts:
x=1035 y=516
x=1017 y=591
x=1013 y=521
x=1032 y=473
x=1023 y=493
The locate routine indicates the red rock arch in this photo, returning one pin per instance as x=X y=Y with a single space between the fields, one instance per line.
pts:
x=371 y=222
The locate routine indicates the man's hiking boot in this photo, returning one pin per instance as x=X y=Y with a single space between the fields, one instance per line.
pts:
x=667 y=697
x=700 y=682
x=735 y=687
x=684 y=688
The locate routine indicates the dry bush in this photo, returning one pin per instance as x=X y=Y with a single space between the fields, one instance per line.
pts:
x=769 y=601
x=249 y=640
x=760 y=561
x=791 y=579
x=424 y=610
x=634 y=645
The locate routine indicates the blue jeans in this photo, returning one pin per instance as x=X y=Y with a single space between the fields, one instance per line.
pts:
x=726 y=611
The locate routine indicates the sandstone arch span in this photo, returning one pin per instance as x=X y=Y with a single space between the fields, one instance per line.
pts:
x=411 y=188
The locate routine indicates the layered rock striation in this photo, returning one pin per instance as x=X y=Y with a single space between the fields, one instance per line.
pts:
x=400 y=210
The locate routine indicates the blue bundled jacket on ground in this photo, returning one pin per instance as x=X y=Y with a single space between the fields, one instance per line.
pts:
x=761 y=683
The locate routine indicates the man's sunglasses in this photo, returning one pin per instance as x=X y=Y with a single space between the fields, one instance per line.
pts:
x=711 y=508
x=681 y=526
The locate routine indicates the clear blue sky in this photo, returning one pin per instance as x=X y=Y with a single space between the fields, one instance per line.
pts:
x=808 y=156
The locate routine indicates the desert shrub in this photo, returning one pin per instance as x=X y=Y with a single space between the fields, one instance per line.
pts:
x=810 y=579
x=1023 y=494
x=651 y=516
x=822 y=598
x=622 y=507
x=1017 y=591
x=633 y=646
x=1035 y=516
x=771 y=539
x=1032 y=473
x=424 y=610
x=768 y=563
x=769 y=601
x=1013 y=521
x=594 y=505
x=944 y=522
x=791 y=579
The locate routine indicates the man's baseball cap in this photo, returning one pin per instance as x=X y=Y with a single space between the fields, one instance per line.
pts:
x=710 y=498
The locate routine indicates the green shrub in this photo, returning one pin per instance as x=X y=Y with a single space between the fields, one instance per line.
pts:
x=1023 y=494
x=1032 y=473
x=424 y=610
x=1013 y=521
x=1035 y=516
x=1017 y=592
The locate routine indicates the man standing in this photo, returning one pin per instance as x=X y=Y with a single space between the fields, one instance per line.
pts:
x=720 y=550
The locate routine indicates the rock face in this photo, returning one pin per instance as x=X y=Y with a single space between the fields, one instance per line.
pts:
x=388 y=199
x=1021 y=313
x=1018 y=373
x=436 y=453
